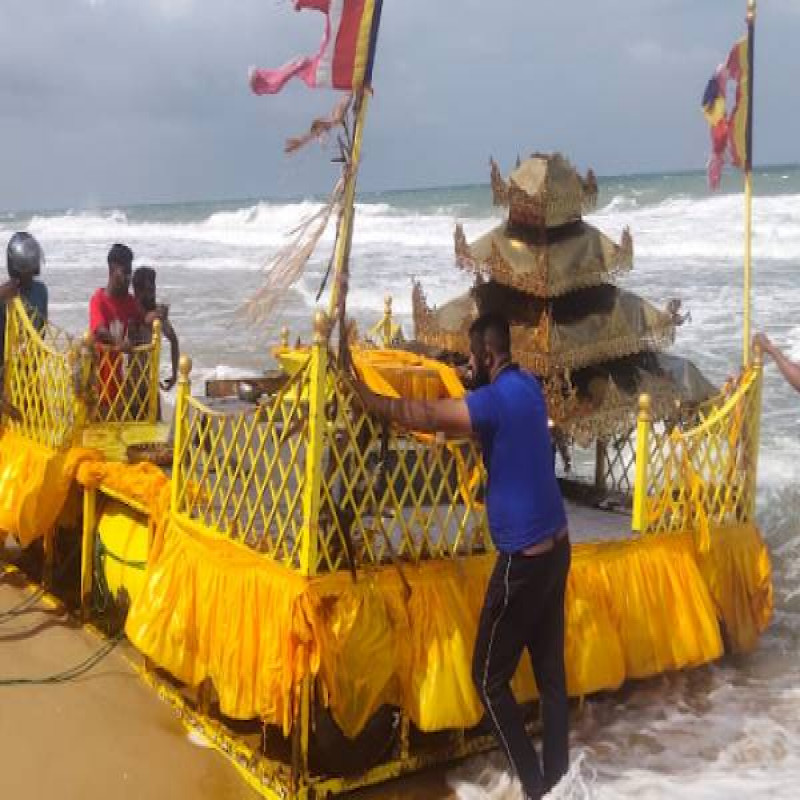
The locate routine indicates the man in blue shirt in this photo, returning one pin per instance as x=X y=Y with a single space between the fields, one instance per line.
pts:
x=524 y=603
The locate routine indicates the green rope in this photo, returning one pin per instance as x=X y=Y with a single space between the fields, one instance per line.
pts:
x=68 y=674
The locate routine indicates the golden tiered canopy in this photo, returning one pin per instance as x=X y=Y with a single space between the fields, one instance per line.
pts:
x=583 y=328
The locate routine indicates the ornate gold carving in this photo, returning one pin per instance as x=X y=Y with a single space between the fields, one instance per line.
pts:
x=464 y=257
x=536 y=280
x=499 y=187
x=590 y=191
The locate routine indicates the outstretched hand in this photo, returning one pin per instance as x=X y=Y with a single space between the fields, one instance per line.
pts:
x=762 y=341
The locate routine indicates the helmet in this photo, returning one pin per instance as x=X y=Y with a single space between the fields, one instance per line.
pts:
x=24 y=256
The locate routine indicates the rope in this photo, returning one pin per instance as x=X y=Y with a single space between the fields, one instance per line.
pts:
x=25 y=605
x=70 y=674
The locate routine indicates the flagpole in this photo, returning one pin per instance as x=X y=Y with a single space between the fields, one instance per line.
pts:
x=748 y=180
x=344 y=236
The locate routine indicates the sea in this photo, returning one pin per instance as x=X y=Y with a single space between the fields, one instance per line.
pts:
x=728 y=730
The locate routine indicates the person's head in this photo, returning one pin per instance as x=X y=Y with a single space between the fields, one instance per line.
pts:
x=490 y=347
x=144 y=287
x=120 y=263
x=24 y=258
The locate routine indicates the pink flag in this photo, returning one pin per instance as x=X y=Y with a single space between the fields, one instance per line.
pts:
x=345 y=57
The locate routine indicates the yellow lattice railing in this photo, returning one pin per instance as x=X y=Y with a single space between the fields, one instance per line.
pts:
x=389 y=495
x=702 y=477
x=61 y=384
x=242 y=473
x=124 y=385
x=312 y=481
x=41 y=365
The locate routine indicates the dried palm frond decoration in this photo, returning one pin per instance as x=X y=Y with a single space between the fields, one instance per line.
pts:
x=288 y=264
x=286 y=267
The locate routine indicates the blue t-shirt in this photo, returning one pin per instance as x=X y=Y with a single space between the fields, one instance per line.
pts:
x=523 y=500
x=33 y=296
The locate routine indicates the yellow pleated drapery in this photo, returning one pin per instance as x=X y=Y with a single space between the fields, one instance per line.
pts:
x=35 y=482
x=212 y=609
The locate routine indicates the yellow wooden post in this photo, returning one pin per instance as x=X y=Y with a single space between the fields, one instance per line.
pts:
x=180 y=426
x=155 y=370
x=387 y=321
x=317 y=382
x=639 y=521
x=83 y=385
x=309 y=548
x=87 y=549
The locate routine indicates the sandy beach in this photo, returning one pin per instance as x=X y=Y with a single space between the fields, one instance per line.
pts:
x=106 y=734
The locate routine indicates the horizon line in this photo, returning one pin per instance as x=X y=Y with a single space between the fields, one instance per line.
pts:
x=391 y=190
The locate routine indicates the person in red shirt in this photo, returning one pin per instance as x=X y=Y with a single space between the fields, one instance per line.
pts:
x=114 y=315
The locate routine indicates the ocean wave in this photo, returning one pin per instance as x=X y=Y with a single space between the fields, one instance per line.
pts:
x=709 y=228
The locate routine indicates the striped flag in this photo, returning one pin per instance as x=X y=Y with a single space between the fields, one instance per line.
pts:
x=728 y=131
x=347 y=53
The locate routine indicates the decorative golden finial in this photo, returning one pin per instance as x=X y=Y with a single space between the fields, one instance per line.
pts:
x=751 y=10
x=645 y=404
x=184 y=368
x=87 y=340
x=156 y=329
x=285 y=337
x=387 y=304
x=320 y=327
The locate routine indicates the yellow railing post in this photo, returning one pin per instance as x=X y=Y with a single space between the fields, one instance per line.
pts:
x=643 y=423
x=312 y=491
x=317 y=384
x=81 y=363
x=180 y=428
x=285 y=337
x=387 y=321
x=155 y=369
x=87 y=549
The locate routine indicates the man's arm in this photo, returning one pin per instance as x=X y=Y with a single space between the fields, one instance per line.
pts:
x=450 y=416
x=9 y=290
x=175 y=354
x=789 y=370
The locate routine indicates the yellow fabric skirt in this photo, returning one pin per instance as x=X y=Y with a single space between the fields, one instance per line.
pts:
x=212 y=609
x=35 y=482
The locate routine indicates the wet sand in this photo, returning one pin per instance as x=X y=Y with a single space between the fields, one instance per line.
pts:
x=106 y=734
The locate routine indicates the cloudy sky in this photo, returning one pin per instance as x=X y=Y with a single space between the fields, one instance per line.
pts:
x=107 y=102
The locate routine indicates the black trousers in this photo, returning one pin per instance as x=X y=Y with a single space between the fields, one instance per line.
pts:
x=524 y=607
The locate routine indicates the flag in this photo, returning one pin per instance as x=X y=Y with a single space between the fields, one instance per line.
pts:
x=728 y=131
x=347 y=53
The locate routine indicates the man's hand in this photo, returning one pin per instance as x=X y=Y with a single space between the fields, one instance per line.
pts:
x=167 y=384
x=9 y=290
x=762 y=341
x=10 y=411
